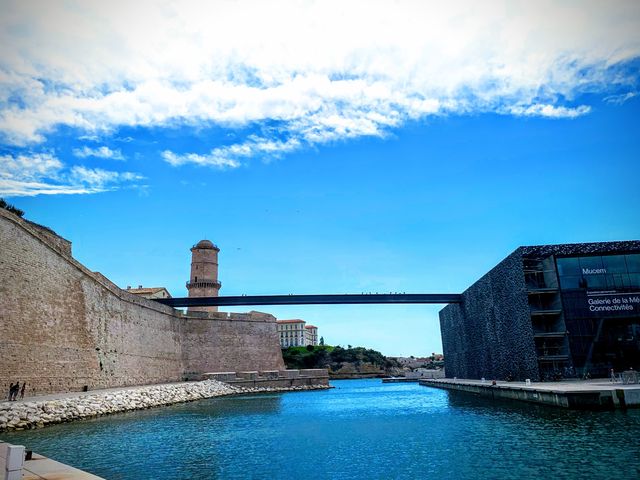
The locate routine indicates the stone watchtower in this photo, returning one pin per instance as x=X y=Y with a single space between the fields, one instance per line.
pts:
x=204 y=273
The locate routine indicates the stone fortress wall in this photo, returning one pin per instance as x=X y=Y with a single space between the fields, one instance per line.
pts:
x=63 y=327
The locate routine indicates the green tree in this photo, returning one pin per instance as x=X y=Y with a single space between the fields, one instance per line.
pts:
x=10 y=208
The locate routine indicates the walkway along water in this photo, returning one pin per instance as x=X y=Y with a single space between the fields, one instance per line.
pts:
x=580 y=394
x=41 y=411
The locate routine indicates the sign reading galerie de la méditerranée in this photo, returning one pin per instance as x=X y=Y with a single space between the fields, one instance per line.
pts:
x=613 y=302
x=600 y=286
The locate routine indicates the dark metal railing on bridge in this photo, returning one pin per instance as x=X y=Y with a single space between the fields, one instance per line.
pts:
x=331 y=299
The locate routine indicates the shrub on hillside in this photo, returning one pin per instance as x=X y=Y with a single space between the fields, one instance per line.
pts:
x=324 y=356
x=10 y=208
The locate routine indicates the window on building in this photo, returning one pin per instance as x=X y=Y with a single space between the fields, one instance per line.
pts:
x=614 y=264
x=633 y=263
x=568 y=266
x=591 y=263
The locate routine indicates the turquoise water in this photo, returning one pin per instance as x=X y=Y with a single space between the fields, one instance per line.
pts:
x=361 y=429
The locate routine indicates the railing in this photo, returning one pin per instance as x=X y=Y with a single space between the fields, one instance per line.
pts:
x=553 y=358
x=331 y=299
x=628 y=377
x=204 y=284
x=551 y=348
x=549 y=334
x=540 y=279
x=532 y=290
x=545 y=311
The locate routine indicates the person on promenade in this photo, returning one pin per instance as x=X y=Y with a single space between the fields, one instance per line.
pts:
x=22 y=390
x=613 y=376
x=14 y=392
x=10 y=391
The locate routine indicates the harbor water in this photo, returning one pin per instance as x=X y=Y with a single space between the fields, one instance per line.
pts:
x=362 y=429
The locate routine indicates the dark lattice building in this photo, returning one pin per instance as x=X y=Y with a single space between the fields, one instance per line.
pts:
x=546 y=312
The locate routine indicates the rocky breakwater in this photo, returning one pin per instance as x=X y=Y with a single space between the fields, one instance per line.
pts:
x=65 y=408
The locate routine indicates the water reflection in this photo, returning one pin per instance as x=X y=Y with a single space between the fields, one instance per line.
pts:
x=360 y=429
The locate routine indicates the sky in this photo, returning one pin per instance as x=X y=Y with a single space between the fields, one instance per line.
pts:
x=325 y=147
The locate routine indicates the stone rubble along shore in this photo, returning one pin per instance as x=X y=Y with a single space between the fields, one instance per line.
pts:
x=36 y=414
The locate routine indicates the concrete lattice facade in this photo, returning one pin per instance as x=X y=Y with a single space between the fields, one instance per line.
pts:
x=512 y=322
x=64 y=327
x=489 y=334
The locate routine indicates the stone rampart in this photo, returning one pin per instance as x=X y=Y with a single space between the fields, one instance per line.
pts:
x=64 y=327
x=220 y=344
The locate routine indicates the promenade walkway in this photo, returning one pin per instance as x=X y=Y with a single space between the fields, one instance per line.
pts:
x=579 y=394
x=592 y=385
x=69 y=395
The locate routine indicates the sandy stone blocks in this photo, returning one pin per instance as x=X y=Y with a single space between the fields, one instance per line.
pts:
x=11 y=461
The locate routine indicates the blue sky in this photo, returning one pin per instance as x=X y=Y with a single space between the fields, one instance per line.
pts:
x=385 y=149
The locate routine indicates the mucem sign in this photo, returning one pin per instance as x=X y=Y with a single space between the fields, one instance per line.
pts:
x=604 y=285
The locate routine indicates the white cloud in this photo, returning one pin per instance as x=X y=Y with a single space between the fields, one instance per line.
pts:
x=324 y=71
x=231 y=156
x=620 y=99
x=99 y=178
x=550 y=111
x=44 y=174
x=211 y=159
x=29 y=167
x=99 y=152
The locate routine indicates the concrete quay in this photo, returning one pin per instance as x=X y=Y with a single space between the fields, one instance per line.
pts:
x=599 y=394
x=400 y=380
x=14 y=466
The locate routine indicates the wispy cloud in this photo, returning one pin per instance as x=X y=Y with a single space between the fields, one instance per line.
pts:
x=99 y=152
x=549 y=111
x=44 y=174
x=324 y=71
x=211 y=159
x=232 y=155
x=621 y=98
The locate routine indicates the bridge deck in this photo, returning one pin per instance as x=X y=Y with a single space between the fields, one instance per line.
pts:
x=337 y=299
